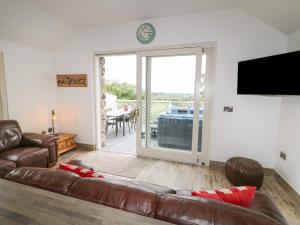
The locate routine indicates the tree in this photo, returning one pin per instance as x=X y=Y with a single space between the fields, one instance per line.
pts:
x=121 y=90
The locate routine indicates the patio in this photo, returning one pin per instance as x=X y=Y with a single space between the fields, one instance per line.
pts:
x=121 y=144
x=126 y=144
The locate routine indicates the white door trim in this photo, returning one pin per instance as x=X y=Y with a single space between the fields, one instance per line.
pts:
x=3 y=90
x=164 y=153
x=210 y=47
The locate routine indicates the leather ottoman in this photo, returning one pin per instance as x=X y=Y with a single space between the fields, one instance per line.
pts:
x=243 y=171
x=5 y=167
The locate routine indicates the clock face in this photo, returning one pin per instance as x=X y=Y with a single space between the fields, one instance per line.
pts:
x=145 y=33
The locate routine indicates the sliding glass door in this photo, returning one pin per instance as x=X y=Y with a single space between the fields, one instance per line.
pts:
x=171 y=104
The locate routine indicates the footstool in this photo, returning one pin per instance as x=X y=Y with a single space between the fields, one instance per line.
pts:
x=243 y=171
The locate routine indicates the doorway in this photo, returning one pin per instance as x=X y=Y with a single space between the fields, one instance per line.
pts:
x=171 y=103
x=120 y=103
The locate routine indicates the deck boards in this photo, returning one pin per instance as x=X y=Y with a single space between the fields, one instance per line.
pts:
x=121 y=144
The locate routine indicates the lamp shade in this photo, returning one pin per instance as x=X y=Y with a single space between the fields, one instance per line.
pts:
x=53 y=115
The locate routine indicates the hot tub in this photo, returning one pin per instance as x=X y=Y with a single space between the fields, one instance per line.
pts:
x=175 y=128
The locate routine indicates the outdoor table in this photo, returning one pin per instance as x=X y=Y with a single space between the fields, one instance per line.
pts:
x=118 y=113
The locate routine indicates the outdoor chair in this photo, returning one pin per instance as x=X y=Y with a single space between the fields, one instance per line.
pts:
x=129 y=120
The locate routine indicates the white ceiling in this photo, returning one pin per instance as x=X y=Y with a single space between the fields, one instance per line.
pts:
x=43 y=23
x=82 y=13
x=27 y=24
x=282 y=14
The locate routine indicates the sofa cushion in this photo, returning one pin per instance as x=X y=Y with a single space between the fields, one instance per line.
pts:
x=211 y=194
x=154 y=187
x=77 y=162
x=10 y=134
x=117 y=194
x=58 y=181
x=83 y=172
x=265 y=205
x=25 y=156
x=188 y=210
x=242 y=196
x=5 y=167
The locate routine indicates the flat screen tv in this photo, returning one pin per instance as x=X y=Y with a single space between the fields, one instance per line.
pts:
x=273 y=75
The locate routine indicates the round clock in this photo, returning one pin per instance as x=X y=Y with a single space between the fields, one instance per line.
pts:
x=145 y=33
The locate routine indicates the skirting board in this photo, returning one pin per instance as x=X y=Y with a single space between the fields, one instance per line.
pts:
x=87 y=147
x=268 y=172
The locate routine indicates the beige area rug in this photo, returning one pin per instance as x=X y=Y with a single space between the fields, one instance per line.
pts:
x=111 y=163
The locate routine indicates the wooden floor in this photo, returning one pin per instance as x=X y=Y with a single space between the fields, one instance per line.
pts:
x=178 y=175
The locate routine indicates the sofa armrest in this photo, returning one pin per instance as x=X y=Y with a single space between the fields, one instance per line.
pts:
x=38 y=140
x=43 y=141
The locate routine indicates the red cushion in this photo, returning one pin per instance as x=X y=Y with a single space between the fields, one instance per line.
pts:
x=211 y=194
x=81 y=171
x=241 y=196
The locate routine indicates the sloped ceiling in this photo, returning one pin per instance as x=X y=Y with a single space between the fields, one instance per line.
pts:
x=25 y=23
x=43 y=23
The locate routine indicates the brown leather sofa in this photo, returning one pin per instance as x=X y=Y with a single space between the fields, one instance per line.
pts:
x=150 y=200
x=19 y=149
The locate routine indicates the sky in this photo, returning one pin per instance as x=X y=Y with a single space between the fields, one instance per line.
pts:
x=172 y=74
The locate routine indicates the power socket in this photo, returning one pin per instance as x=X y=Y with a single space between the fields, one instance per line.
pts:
x=228 y=109
x=283 y=155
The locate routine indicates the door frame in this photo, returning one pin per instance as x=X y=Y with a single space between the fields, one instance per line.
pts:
x=3 y=90
x=192 y=156
x=209 y=91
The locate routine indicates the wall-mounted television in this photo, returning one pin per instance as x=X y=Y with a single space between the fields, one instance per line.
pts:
x=273 y=75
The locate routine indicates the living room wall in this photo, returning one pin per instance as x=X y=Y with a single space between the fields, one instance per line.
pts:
x=251 y=130
x=289 y=134
x=30 y=85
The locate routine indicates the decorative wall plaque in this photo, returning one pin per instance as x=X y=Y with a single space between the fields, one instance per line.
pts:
x=71 y=80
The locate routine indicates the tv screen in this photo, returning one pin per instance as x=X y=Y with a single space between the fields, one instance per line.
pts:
x=273 y=75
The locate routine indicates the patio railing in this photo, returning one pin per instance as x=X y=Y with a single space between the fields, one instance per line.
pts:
x=157 y=107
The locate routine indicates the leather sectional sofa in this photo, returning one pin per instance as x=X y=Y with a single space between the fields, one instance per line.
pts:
x=19 y=149
x=149 y=200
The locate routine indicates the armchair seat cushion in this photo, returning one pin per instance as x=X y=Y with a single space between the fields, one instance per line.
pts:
x=25 y=156
x=5 y=167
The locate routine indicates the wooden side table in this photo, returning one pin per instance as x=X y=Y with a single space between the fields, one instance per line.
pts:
x=66 y=142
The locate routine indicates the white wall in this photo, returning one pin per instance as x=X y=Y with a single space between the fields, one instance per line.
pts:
x=29 y=82
x=289 y=133
x=251 y=130
x=294 y=41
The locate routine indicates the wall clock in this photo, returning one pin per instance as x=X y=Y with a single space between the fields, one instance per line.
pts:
x=145 y=33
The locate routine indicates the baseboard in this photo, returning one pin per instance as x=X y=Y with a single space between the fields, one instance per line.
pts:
x=216 y=164
x=87 y=147
x=268 y=172
x=293 y=194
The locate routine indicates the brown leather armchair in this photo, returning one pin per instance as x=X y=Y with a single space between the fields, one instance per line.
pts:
x=26 y=149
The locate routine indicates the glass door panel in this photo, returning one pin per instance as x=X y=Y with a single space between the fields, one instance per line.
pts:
x=170 y=96
x=171 y=103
